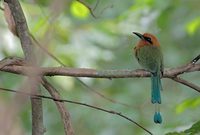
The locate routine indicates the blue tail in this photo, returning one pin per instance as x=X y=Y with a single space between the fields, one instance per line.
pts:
x=155 y=96
x=157 y=118
x=155 y=88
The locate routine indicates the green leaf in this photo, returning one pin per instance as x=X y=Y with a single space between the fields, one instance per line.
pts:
x=189 y=103
x=41 y=26
x=194 y=129
x=192 y=26
x=176 y=133
x=191 y=131
x=79 y=10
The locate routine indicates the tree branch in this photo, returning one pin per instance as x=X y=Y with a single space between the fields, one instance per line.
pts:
x=92 y=73
x=195 y=59
x=23 y=33
x=85 y=72
x=36 y=72
x=79 y=80
x=186 y=83
x=78 y=103
x=65 y=116
x=22 y=29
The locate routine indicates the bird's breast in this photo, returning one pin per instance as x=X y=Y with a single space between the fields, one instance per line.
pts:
x=149 y=57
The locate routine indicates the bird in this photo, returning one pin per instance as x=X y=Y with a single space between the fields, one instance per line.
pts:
x=149 y=55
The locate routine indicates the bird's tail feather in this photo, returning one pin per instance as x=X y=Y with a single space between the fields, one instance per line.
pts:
x=155 y=89
x=155 y=96
x=157 y=115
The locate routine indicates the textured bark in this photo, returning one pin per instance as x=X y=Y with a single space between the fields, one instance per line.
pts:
x=23 y=33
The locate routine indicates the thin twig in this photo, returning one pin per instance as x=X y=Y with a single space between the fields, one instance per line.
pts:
x=78 y=103
x=88 y=7
x=65 y=115
x=186 y=83
x=103 y=96
x=195 y=59
x=45 y=50
x=97 y=3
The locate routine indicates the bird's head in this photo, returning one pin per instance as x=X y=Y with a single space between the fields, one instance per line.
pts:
x=147 y=39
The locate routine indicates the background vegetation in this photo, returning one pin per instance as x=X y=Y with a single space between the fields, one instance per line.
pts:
x=103 y=40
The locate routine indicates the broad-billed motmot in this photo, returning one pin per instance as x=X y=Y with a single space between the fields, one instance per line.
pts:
x=149 y=56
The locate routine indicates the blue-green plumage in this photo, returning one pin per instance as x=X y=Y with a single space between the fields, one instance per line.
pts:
x=149 y=56
x=155 y=88
x=157 y=117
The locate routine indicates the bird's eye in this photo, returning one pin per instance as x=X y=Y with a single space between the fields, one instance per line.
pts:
x=148 y=39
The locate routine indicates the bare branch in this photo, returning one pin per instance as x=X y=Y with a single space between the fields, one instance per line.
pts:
x=195 y=59
x=64 y=113
x=65 y=116
x=22 y=32
x=97 y=3
x=11 y=61
x=22 y=29
x=9 y=19
x=190 y=67
x=78 y=103
x=187 y=83
x=85 y=72
x=92 y=73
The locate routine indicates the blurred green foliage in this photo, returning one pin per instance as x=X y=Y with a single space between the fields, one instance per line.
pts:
x=188 y=104
x=193 y=130
x=193 y=26
x=69 y=31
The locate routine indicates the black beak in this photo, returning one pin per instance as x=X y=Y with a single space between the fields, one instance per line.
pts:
x=139 y=35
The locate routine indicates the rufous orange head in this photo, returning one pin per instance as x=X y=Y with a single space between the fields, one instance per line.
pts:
x=146 y=39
